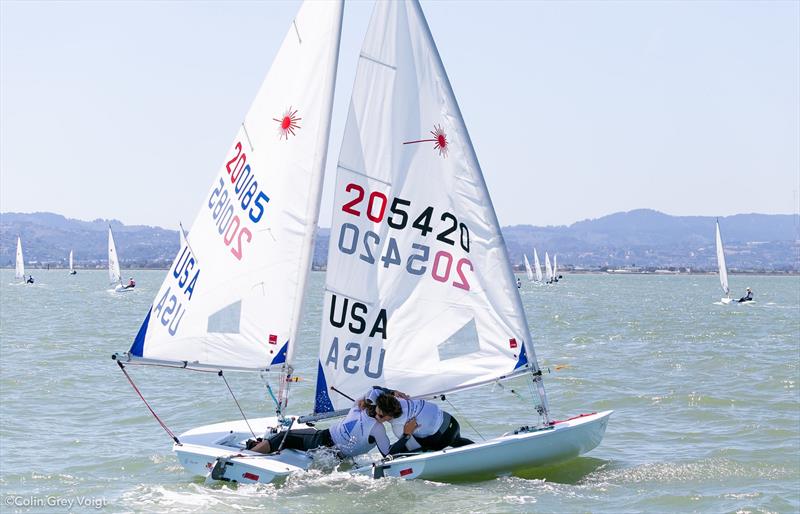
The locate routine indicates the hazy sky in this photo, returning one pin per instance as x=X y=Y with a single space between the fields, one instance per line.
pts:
x=576 y=109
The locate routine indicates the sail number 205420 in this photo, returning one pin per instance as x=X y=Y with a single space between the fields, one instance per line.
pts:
x=239 y=194
x=445 y=267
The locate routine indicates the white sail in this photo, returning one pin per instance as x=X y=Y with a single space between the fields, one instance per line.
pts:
x=536 y=266
x=419 y=292
x=548 y=270
x=723 y=270
x=233 y=296
x=19 y=270
x=70 y=262
x=528 y=270
x=114 y=276
x=555 y=266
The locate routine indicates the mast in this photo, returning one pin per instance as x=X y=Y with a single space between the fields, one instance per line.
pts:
x=315 y=193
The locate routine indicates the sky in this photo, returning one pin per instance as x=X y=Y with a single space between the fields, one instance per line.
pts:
x=576 y=110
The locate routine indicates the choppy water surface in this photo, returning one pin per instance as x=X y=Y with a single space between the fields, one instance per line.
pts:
x=707 y=409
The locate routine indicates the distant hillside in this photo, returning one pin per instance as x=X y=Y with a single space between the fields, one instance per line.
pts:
x=651 y=239
x=641 y=238
x=47 y=239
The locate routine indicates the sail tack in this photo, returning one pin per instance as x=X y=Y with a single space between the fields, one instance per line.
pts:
x=419 y=293
x=233 y=295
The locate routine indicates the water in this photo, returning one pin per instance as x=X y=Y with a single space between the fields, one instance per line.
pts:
x=707 y=409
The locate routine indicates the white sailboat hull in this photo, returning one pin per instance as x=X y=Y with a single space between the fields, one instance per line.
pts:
x=500 y=456
x=201 y=448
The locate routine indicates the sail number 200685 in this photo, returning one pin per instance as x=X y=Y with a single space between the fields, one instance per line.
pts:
x=245 y=198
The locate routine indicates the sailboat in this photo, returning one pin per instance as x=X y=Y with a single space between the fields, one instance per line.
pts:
x=536 y=266
x=555 y=268
x=114 y=273
x=723 y=269
x=548 y=269
x=19 y=269
x=71 y=268
x=528 y=270
x=416 y=260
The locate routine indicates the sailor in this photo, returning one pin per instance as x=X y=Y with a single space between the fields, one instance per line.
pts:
x=131 y=284
x=748 y=297
x=519 y=283
x=431 y=428
x=30 y=279
x=359 y=431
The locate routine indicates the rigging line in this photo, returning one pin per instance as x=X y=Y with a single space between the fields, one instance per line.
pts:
x=465 y=419
x=237 y=403
x=272 y=395
x=165 y=427
x=343 y=394
x=186 y=238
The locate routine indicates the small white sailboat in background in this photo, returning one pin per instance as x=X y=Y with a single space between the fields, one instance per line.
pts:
x=71 y=267
x=555 y=268
x=418 y=256
x=114 y=272
x=528 y=270
x=536 y=266
x=723 y=269
x=548 y=269
x=19 y=268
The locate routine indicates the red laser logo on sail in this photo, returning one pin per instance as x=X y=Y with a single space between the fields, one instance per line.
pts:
x=288 y=123
x=439 y=137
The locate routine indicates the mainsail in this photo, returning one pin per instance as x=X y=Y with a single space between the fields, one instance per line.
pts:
x=419 y=294
x=723 y=270
x=528 y=270
x=114 y=275
x=233 y=296
x=548 y=270
x=555 y=266
x=19 y=269
x=70 y=261
x=536 y=266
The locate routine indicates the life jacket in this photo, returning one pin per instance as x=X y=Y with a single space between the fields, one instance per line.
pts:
x=351 y=435
x=428 y=415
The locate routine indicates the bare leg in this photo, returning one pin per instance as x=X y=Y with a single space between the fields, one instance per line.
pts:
x=262 y=447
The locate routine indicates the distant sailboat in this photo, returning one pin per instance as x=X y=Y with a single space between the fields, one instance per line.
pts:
x=114 y=272
x=19 y=270
x=536 y=266
x=555 y=268
x=71 y=268
x=528 y=270
x=548 y=269
x=723 y=269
